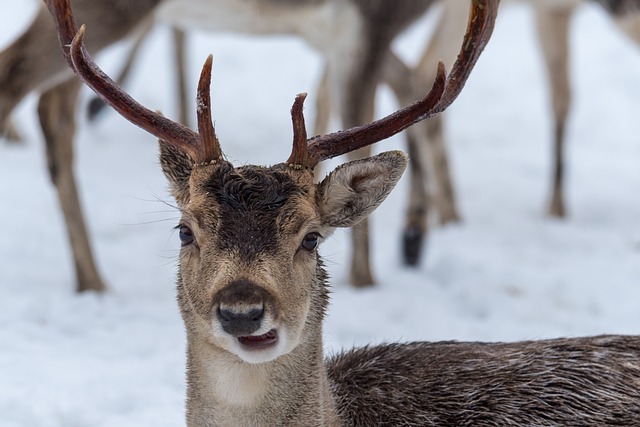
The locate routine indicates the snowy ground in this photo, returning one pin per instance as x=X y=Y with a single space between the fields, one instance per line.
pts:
x=506 y=273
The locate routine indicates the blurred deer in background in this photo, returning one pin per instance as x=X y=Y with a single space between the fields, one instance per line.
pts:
x=553 y=23
x=252 y=289
x=33 y=63
x=353 y=36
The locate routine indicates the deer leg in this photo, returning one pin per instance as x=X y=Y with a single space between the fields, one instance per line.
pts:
x=180 y=60
x=416 y=227
x=356 y=92
x=446 y=195
x=323 y=113
x=553 y=29
x=400 y=79
x=443 y=46
x=56 y=110
x=323 y=105
x=33 y=58
x=96 y=105
x=630 y=24
x=361 y=275
x=356 y=104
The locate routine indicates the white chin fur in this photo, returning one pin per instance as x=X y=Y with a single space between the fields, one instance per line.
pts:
x=260 y=355
x=255 y=355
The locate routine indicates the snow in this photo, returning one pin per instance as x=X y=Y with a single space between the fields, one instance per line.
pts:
x=507 y=272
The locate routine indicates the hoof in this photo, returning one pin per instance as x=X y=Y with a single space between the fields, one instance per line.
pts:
x=90 y=283
x=412 y=246
x=10 y=133
x=557 y=209
x=13 y=137
x=451 y=217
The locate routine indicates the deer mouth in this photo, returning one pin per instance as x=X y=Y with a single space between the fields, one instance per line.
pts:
x=259 y=341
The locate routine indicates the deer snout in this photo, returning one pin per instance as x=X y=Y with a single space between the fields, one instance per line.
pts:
x=240 y=323
x=241 y=307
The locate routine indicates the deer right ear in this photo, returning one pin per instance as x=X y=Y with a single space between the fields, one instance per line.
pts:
x=355 y=189
x=177 y=167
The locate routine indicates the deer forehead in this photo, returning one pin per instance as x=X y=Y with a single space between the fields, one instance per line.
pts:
x=250 y=209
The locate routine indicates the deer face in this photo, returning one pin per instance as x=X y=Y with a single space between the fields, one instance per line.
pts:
x=251 y=281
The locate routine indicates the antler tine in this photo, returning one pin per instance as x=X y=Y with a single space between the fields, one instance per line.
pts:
x=74 y=51
x=300 y=154
x=211 y=149
x=443 y=92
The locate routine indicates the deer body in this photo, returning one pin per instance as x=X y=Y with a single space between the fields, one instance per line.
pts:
x=32 y=63
x=315 y=20
x=558 y=382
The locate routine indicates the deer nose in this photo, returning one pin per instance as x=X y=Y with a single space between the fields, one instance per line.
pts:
x=240 y=323
x=241 y=306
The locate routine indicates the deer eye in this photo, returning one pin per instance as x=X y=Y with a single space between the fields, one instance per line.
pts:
x=186 y=235
x=310 y=242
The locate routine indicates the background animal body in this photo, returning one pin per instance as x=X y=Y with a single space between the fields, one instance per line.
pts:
x=355 y=35
x=506 y=273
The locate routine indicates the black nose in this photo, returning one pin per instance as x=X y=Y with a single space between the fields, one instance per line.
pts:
x=240 y=323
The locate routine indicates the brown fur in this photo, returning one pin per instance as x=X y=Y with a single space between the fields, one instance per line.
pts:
x=560 y=382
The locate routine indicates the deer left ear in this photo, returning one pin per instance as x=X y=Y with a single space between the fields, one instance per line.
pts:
x=177 y=167
x=354 y=190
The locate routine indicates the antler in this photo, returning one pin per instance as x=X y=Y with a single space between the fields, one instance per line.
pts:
x=202 y=148
x=299 y=154
x=443 y=92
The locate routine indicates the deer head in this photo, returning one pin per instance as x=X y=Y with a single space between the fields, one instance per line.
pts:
x=250 y=280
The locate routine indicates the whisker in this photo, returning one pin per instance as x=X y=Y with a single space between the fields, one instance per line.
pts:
x=155 y=212
x=150 y=222
x=157 y=199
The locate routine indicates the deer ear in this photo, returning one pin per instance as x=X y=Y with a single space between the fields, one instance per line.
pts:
x=354 y=190
x=177 y=166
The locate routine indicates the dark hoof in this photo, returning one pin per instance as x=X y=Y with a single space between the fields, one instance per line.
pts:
x=96 y=105
x=413 y=238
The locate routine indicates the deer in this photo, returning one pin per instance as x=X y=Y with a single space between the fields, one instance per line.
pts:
x=553 y=20
x=32 y=64
x=252 y=289
x=353 y=36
